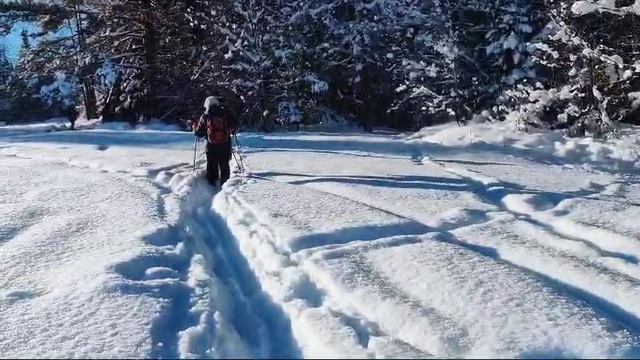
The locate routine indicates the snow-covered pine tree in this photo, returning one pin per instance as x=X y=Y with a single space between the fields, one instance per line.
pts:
x=60 y=49
x=514 y=25
x=243 y=38
x=128 y=39
x=445 y=72
x=6 y=67
x=23 y=88
x=6 y=75
x=425 y=69
x=352 y=49
x=588 y=57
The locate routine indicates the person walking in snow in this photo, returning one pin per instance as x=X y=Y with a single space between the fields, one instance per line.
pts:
x=217 y=125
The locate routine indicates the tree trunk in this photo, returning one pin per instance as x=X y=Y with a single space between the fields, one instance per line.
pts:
x=150 y=54
x=89 y=95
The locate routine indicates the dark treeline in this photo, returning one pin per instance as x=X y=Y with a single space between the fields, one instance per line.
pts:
x=398 y=63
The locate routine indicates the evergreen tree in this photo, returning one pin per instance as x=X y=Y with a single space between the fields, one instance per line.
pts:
x=6 y=75
x=400 y=63
x=6 y=67
x=588 y=59
x=515 y=23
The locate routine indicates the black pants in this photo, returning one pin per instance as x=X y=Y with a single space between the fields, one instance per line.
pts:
x=218 y=157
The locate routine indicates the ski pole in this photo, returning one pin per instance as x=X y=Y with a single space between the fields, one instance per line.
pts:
x=195 y=151
x=239 y=153
x=235 y=157
x=238 y=162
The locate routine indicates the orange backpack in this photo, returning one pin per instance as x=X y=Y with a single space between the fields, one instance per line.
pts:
x=217 y=129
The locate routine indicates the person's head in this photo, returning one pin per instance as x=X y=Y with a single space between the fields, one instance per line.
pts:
x=211 y=104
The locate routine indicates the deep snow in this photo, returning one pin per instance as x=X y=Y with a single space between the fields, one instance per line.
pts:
x=453 y=242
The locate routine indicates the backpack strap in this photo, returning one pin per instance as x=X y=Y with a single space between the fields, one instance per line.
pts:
x=225 y=121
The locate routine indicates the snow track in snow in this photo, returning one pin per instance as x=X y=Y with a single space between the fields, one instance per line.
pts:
x=337 y=245
x=208 y=303
x=602 y=306
x=431 y=333
x=217 y=308
x=538 y=245
x=575 y=254
x=322 y=326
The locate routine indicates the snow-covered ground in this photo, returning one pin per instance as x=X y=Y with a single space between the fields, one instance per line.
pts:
x=448 y=243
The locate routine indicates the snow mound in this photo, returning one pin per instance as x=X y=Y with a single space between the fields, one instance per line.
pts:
x=622 y=153
x=158 y=125
x=53 y=124
x=116 y=125
x=155 y=124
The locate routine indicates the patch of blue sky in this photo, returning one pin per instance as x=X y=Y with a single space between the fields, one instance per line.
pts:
x=13 y=40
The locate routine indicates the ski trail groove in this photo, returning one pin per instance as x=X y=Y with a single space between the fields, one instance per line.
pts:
x=500 y=195
x=198 y=233
x=618 y=308
x=255 y=235
x=494 y=192
x=229 y=315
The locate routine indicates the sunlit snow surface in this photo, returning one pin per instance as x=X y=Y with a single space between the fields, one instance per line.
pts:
x=454 y=242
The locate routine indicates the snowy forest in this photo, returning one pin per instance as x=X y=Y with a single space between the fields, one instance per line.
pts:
x=405 y=64
x=409 y=179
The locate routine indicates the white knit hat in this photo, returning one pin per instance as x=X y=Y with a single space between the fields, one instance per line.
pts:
x=210 y=102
